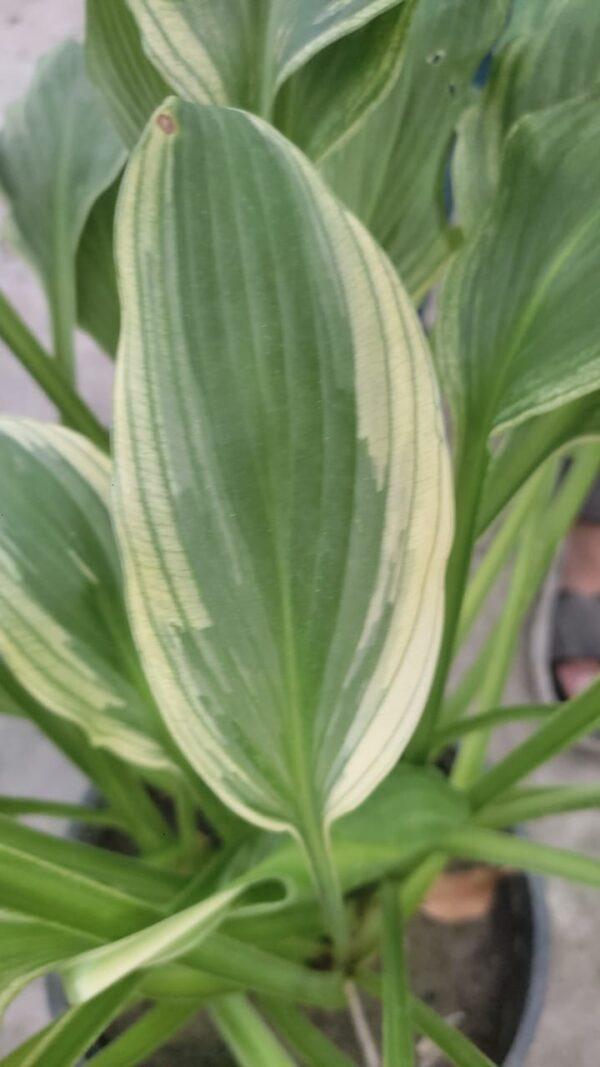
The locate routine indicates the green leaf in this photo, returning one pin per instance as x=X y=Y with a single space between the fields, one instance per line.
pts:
x=549 y=54
x=58 y=152
x=12 y=700
x=120 y=69
x=319 y=104
x=124 y=791
x=391 y=172
x=520 y=805
x=564 y=727
x=246 y=1034
x=93 y=971
x=507 y=347
x=171 y=937
x=314 y=1049
x=459 y=1050
x=244 y=53
x=398 y=1044
x=63 y=1043
x=328 y=98
x=76 y=812
x=409 y=813
x=528 y=445
x=447 y=734
x=32 y=947
x=490 y=846
x=243 y=966
x=97 y=297
x=146 y=1035
x=93 y=893
x=283 y=499
x=63 y=629
x=103 y=896
x=365 y=843
x=72 y=883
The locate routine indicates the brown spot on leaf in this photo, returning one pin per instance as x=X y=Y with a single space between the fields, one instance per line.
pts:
x=166 y=122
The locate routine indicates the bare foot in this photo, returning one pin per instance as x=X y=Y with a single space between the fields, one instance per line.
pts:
x=581 y=574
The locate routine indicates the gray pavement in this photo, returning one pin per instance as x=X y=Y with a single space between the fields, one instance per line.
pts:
x=569 y=1031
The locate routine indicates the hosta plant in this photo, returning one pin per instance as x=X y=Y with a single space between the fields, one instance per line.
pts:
x=237 y=610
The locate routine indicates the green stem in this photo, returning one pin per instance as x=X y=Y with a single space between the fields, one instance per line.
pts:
x=127 y=794
x=492 y=846
x=246 y=1033
x=565 y=726
x=455 y=1046
x=496 y=556
x=74 y=812
x=313 y=1048
x=190 y=839
x=415 y=886
x=43 y=369
x=249 y=967
x=538 y=437
x=544 y=530
x=398 y=1043
x=457 y=703
x=472 y=754
x=536 y=803
x=486 y=720
x=65 y=1041
x=147 y=1035
x=458 y=1048
x=322 y=864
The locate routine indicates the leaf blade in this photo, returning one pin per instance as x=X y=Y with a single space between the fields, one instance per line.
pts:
x=64 y=633
x=117 y=64
x=64 y=1042
x=391 y=171
x=246 y=1033
x=76 y=155
x=242 y=56
x=547 y=55
x=509 y=355
x=275 y=506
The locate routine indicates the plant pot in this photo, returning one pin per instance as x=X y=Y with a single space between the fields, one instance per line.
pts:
x=487 y=975
x=541 y=638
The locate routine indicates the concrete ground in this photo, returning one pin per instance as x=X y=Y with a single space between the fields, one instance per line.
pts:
x=569 y=1030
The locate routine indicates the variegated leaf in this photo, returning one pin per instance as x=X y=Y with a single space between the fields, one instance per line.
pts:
x=283 y=495
x=63 y=630
x=243 y=52
x=548 y=54
x=328 y=98
x=117 y=65
x=391 y=172
x=411 y=811
x=518 y=330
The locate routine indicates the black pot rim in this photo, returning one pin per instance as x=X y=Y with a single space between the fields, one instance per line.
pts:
x=538 y=973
